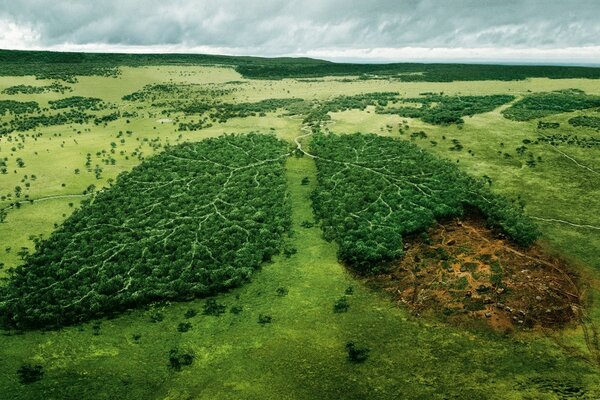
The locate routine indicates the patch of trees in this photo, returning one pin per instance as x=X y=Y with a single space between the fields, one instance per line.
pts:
x=78 y=102
x=548 y=125
x=570 y=140
x=318 y=111
x=190 y=222
x=170 y=95
x=103 y=119
x=444 y=110
x=371 y=191
x=18 y=107
x=32 y=122
x=54 y=87
x=540 y=105
x=585 y=121
x=194 y=125
x=223 y=112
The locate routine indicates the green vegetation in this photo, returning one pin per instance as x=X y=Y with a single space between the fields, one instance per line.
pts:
x=415 y=72
x=570 y=140
x=302 y=353
x=373 y=190
x=444 y=110
x=192 y=221
x=55 y=87
x=18 y=107
x=540 y=105
x=77 y=102
x=586 y=122
x=226 y=111
x=65 y=66
x=33 y=122
x=29 y=373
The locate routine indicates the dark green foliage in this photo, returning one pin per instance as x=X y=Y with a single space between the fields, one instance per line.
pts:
x=357 y=354
x=190 y=222
x=445 y=110
x=211 y=307
x=235 y=309
x=194 y=126
x=319 y=111
x=156 y=316
x=223 y=112
x=540 y=105
x=29 y=373
x=585 y=121
x=190 y=313
x=548 y=125
x=264 y=319
x=341 y=305
x=32 y=122
x=107 y=118
x=413 y=72
x=307 y=224
x=179 y=359
x=18 y=107
x=371 y=191
x=54 y=87
x=570 y=140
x=184 y=326
x=65 y=66
x=77 y=102
x=289 y=250
x=281 y=291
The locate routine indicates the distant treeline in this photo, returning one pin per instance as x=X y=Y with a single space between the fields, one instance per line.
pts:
x=65 y=66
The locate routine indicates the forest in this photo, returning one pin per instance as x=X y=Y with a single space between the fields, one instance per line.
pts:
x=55 y=87
x=538 y=105
x=585 y=121
x=190 y=222
x=372 y=191
x=438 y=109
x=65 y=66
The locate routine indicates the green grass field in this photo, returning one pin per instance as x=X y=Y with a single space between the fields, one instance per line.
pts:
x=301 y=354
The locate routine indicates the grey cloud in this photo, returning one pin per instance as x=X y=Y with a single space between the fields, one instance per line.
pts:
x=272 y=27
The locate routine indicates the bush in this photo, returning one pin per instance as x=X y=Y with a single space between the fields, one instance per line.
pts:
x=341 y=305
x=211 y=307
x=357 y=354
x=179 y=359
x=184 y=326
x=30 y=373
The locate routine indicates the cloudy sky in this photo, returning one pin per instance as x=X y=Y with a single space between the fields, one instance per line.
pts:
x=551 y=31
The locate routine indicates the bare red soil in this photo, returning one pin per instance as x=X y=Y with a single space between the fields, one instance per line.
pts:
x=462 y=270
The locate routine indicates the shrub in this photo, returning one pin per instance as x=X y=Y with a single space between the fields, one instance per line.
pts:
x=264 y=319
x=357 y=354
x=179 y=359
x=341 y=305
x=30 y=373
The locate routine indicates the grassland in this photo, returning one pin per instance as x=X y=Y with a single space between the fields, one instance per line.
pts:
x=301 y=353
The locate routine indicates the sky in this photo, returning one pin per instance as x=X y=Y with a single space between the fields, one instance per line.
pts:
x=525 y=31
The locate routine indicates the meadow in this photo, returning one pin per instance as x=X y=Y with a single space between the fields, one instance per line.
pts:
x=286 y=332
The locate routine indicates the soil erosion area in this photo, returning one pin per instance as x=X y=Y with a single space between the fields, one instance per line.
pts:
x=463 y=270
